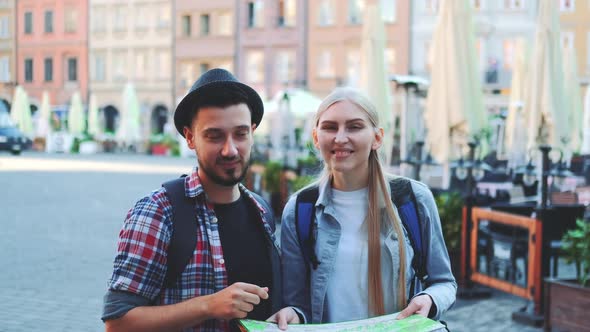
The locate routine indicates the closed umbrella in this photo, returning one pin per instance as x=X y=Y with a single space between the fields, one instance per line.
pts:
x=43 y=127
x=20 y=112
x=586 y=124
x=454 y=105
x=572 y=100
x=76 y=120
x=515 y=136
x=374 y=81
x=544 y=99
x=93 y=125
x=129 y=131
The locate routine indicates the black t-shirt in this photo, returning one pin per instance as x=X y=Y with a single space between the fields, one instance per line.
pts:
x=245 y=250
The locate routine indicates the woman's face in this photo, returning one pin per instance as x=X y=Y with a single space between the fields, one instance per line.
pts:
x=345 y=137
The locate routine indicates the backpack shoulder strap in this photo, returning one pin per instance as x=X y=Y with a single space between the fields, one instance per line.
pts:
x=304 y=221
x=403 y=197
x=184 y=227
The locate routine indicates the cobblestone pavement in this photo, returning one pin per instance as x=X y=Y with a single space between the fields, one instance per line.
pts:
x=59 y=229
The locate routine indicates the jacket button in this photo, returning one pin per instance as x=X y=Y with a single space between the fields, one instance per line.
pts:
x=221 y=261
x=214 y=220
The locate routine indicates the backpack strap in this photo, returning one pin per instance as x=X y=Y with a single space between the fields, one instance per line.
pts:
x=183 y=240
x=304 y=224
x=404 y=199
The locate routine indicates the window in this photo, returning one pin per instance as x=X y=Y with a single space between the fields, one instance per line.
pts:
x=29 y=70
x=48 y=73
x=186 y=74
x=567 y=39
x=28 y=23
x=353 y=63
x=225 y=24
x=120 y=23
x=140 y=65
x=287 y=13
x=164 y=15
x=98 y=74
x=163 y=64
x=514 y=4
x=255 y=12
x=567 y=5
x=390 y=60
x=120 y=65
x=97 y=19
x=325 y=68
x=326 y=13
x=255 y=66
x=203 y=67
x=141 y=13
x=355 y=11
x=71 y=20
x=388 y=10
x=204 y=24
x=72 y=69
x=4 y=27
x=48 y=21
x=588 y=52
x=431 y=6
x=186 y=25
x=5 y=69
x=285 y=66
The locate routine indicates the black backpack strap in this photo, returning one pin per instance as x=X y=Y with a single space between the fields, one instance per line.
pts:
x=305 y=224
x=183 y=240
x=403 y=197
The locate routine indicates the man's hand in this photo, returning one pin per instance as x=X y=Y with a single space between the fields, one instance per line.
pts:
x=235 y=301
x=283 y=317
x=419 y=305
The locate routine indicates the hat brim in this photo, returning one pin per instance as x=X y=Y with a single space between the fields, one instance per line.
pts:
x=184 y=110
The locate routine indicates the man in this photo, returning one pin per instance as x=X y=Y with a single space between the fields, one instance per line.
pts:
x=234 y=271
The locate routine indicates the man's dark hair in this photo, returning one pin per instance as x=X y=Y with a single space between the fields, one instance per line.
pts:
x=219 y=98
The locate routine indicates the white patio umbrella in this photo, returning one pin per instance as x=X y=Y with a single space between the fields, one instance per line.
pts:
x=572 y=100
x=374 y=81
x=515 y=136
x=20 y=112
x=454 y=105
x=76 y=120
x=585 y=149
x=544 y=105
x=93 y=125
x=129 y=131
x=43 y=127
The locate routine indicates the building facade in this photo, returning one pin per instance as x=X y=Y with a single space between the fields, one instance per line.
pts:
x=204 y=39
x=272 y=44
x=575 y=33
x=335 y=32
x=7 y=53
x=52 y=49
x=130 y=42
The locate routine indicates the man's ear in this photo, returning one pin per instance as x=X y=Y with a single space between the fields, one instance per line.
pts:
x=189 y=137
x=254 y=126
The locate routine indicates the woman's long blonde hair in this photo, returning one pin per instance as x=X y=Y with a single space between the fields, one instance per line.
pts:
x=379 y=196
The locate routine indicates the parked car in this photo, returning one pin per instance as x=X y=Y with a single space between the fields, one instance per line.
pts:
x=13 y=140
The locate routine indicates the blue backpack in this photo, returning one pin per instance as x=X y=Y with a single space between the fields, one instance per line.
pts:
x=402 y=197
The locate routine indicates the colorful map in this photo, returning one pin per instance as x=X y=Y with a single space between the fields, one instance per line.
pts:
x=387 y=323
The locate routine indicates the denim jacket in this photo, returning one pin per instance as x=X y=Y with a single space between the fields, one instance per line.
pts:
x=305 y=288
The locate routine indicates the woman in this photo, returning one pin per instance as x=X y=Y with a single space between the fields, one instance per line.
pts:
x=363 y=270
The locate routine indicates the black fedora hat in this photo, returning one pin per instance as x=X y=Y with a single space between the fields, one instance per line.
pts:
x=211 y=82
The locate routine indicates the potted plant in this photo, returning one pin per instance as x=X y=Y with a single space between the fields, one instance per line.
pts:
x=567 y=301
x=450 y=209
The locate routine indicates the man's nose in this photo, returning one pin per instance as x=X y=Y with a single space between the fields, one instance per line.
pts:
x=229 y=148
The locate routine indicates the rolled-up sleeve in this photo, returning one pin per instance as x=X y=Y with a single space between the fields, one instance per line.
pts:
x=140 y=263
x=441 y=284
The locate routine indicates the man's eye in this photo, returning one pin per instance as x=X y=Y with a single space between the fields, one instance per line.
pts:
x=213 y=136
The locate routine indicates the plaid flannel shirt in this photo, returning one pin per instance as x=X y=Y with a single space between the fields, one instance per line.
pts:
x=140 y=264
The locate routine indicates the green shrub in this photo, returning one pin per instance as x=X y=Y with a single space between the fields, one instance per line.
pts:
x=576 y=246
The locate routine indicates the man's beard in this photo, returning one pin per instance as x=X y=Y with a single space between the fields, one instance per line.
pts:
x=227 y=182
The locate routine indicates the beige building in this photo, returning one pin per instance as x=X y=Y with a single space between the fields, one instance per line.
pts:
x=335 y=32
x=272 y=44
x=131 y=42
x=575 y=33
x=204 y=39
x=7 y=52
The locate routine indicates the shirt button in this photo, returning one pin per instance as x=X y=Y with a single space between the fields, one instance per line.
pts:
x=221 y=261
x=214 y=220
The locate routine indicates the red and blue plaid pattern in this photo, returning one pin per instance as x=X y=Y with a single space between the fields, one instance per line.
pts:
x=140 y=264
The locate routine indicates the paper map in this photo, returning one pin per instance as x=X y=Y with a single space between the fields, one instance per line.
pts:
x=387 y=323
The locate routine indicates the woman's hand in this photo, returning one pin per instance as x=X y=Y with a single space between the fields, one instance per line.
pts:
x=418 y=305
x=283 y=317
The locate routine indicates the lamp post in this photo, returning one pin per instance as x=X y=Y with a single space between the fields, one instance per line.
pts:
x=471 y=171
